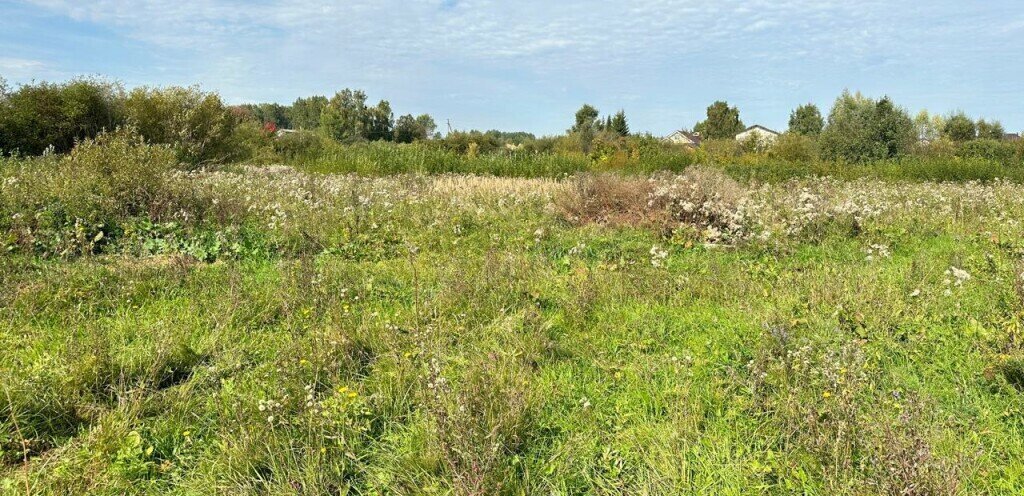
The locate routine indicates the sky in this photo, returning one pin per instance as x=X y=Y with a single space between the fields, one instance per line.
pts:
x=528 y=65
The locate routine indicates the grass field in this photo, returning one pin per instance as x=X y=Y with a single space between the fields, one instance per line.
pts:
x=278 y=332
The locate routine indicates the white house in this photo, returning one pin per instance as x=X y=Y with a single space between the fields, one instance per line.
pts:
x=760 y=132
x=684 y=138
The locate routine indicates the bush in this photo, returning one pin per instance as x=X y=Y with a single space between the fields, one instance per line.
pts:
x=861 y=129
x=75 y=204
x=300 y=145
x=999 y=151
x=39 y=116
x=196 y=124
x=793 y=147
x=252 y=142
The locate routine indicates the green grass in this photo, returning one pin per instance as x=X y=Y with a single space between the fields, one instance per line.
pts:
x=268 y=331
x=519 y=354
x=382 y=159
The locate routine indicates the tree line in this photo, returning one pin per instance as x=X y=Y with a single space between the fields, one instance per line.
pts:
x=859 y=128
x=46 y=117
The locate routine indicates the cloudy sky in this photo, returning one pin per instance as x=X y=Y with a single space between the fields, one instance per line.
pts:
x=527 y=65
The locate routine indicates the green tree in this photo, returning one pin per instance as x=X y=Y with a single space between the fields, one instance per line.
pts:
x=586 y=125
x=380 y=122
x=960 y=128
x=990 y=130
x=406 y=129
x=723 y=122
x=196 y=124
x=586 y=119
x=618 y=124
x=862 y=129
x=928 y=127
x=427 y=125
x=36 y=116
x=806 y=120
x=344 y=117
x=305 y=112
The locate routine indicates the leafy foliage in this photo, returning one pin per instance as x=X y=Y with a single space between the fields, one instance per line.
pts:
x=723 y=122
x=806 y=120
x=960 y=128
x=44 y=115
x=196 y=124
x=862 y=129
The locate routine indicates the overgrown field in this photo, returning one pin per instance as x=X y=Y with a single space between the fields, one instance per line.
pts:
x=266 y=331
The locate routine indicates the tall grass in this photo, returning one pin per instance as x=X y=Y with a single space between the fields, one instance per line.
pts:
x=382 y=159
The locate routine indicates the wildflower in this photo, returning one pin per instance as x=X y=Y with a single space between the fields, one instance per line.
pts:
x=826 y=395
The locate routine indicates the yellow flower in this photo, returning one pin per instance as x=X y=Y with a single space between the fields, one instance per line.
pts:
x=826 y=394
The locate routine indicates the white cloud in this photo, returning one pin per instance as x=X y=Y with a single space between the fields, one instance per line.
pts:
x=22 y=69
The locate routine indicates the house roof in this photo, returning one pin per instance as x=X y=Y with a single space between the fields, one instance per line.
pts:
x=691 y=137
x=1011 y=137
x=762 y=128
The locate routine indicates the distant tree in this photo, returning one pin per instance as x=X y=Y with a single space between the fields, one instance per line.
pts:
x=586 y=119
x=406 y=129
x=196 y=124
x=893 y=128
x=586 y=125
x=409 y=128
x=806 y=120
x=862 y=129
x=264 y=113
x=305 y=112
x=928 y=127
x=723 y=122
x=426 y=124
x=380 y=122
x=618 y=124
x=344 y=117
x=990 y=130
x=960 y=128
x=39 y=115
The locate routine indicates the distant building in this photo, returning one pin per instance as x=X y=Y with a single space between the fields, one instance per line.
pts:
x=684 y=138
x=1011 y=137
x=282 y=132
x=760 y=132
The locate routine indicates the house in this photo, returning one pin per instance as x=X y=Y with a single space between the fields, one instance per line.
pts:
x=684 y=138
x=1011 y=137
x=281 y=132
x=760 y=132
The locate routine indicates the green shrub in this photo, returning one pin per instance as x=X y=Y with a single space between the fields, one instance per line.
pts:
x=999 y=151
x=793 y=147
x=299 y=145
x=75 y=204
x=38 y=116
x=196 y=124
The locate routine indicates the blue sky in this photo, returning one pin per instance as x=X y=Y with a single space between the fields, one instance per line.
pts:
x=529 y=65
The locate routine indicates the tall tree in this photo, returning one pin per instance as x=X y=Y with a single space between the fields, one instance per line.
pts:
x=960 y=128
x=861 y=129
x=618 y=124
x=723 y=122
x=344 y=117
x=426 y=124
x=990 y=130
x=585 y=126
x=586 y=119
x=379 y=122
x=928 y=127
x=806 y=120
x=305 y=112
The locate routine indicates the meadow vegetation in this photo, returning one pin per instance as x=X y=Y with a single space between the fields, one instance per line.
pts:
x=222 y=310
